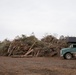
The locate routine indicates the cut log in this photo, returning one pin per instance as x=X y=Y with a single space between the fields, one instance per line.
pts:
x=37 y=53
x=10 y=52
x=32 y=45
x=28 y=52
x=30 y=49
x=9 y=48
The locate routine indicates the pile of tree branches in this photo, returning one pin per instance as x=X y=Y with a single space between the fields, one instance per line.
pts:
x=31 y=46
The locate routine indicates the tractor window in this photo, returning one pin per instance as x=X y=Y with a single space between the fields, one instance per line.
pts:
x=74 y=46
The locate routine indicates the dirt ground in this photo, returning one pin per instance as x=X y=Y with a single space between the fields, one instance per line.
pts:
x=37 y=66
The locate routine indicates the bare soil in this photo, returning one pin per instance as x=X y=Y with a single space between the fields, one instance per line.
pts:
x=37 y=66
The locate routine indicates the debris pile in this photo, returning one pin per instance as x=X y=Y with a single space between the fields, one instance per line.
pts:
x=30 y=46
x=17 y=47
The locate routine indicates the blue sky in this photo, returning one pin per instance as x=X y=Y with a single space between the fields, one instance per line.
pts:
x=39 y=16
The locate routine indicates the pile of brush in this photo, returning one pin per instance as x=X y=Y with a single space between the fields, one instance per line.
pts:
x=30 y=46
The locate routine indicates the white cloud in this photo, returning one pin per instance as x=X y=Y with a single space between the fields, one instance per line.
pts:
x=39 y=16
